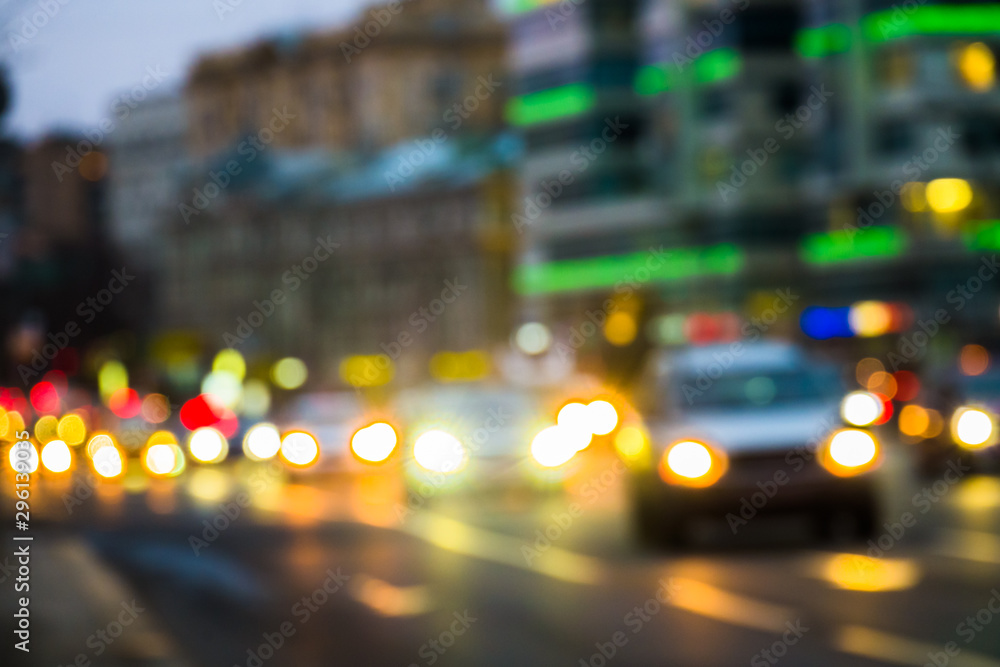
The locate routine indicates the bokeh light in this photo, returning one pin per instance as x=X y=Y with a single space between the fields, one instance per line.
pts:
x=374 y=443
x=299 y=449
x=973 y=360
x=949 y=195
x=557 y=445
x=262 y=442
x=72 y=429
x=125 y=403
x=46 y=428
x=533 y=338
x=208 y=445
x=56 y=456
x=289 y=373
x=438 y=451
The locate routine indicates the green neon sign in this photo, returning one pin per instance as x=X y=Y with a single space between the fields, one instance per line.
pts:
x=552 y=104
x=853 y=245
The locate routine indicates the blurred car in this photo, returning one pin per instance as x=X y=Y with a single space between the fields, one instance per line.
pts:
x=332 y=418
x=967 y=407
x=474 y=438
x=735 y=431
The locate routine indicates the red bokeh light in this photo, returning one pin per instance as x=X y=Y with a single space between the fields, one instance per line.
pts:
x=125 y=403
x=908 y=385
x=45 y=398
x=204 y=410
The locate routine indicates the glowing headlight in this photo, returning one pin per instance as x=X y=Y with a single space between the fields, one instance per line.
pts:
x=602 y=416
x=850 y=452
x=861 y=408
x=108 y=461
x=56 y=456
x=262 y=442
x=374 y=443
x=208 y=445
x=556 y=445
x=438 y=451
x=691 y=463
x=299 y=449
x=973 y=428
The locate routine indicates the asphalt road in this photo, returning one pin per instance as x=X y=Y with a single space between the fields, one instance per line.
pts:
x=346 y=571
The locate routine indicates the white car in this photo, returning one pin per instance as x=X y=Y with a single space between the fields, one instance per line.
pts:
x=738 y=430
x=472 y=438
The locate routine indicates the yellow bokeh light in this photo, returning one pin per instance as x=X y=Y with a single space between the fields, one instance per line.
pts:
x=111 y=377
x=630 y=442
x=914 y=197
x=230 y=361
x=72 y=429
x=46 y=428
x=870 y=319
x=949 y=195
x=973 y=428
x=689 y=459
x=10 y=424
x=160 y=459
x=866 y=368
x=289 y=373
x=977 y=65
x=621 y=328
x=374 y=443
x=97 y=441
x=56 y=456
x=914 y=421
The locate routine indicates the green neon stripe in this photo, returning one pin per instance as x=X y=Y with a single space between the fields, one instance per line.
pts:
x=608 y=271
x=551 y=104
x=711 y=67
x=653 y=80
x=823 y=40
x=932 y=20
x=853 y=245
x=717 y=65
x=982 y=235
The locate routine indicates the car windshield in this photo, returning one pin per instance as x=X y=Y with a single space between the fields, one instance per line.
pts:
x=753 y=389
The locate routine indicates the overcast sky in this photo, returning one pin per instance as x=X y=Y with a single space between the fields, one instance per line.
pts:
x=66 y=75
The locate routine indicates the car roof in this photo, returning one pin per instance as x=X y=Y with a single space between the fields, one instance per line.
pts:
x=738 y=358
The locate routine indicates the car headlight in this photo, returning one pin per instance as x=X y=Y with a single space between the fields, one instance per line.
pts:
x=438 y=451
x=973 y=428
x=861 y=408
x=374 y=444
x=692 y=463
x=556 y=445
x=850 y=452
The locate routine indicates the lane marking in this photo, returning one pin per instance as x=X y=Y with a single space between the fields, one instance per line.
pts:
x=467 y=540
x=719 y=605
x=877 y=645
